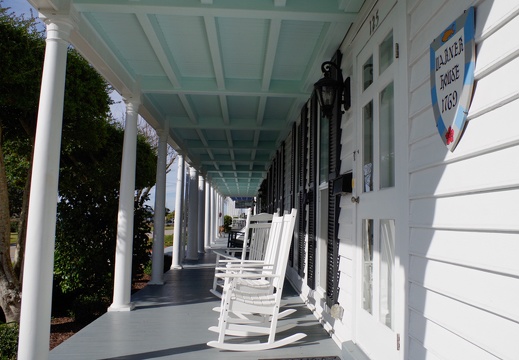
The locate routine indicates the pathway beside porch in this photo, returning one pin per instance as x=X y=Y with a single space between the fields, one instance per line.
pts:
x=171 y=322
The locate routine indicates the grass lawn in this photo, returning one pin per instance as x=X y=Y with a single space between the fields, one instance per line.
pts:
x=168 y=240
x=14 y=238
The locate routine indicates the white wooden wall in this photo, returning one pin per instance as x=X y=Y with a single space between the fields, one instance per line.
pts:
x=463 y=276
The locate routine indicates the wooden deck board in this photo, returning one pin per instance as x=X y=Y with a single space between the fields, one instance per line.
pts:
x=171 y=321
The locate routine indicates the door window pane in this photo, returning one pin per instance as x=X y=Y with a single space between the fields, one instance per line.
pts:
x=387 y=260
x=386 y=53
x=387 y=138
x=367 y=165
x=367 y=265
x=367 y=73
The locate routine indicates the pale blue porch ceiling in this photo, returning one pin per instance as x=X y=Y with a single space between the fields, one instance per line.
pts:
x=230 y=76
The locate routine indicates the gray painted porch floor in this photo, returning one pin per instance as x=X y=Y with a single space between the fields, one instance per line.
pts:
x=171 y=322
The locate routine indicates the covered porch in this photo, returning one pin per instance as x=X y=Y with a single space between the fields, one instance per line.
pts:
x=171 y=321
x=222 y=82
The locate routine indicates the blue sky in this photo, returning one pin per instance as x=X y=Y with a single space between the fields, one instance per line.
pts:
x=20 y=7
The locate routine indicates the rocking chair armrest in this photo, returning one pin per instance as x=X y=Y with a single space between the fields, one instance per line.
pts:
x=236 y=267
x=240 y=261
x=247 y=264
x=250 y=269
x=246 y=275
x=225 y=252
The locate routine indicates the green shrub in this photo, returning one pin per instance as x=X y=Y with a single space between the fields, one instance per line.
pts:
x=8 y=341
x=14 y=225
x=87 y=308
x=227 y=223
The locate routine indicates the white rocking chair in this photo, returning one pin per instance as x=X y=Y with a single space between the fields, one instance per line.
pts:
x=255 y=285
x=255 y=239
x=268 y=280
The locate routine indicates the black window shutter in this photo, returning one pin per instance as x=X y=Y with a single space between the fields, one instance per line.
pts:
x=303 y=143
x=292 y=185
x=270 y=191
x=312 y=191
x=281 y=167
x=332 y=268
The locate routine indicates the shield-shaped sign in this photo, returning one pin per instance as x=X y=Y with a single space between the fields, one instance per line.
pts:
x=453 y=59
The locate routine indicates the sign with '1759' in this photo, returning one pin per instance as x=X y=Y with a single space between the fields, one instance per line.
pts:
x=452 y=77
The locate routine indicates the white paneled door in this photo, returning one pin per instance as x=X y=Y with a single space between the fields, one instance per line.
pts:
x=377 y=217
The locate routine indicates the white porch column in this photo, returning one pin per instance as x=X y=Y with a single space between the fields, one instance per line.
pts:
x=214 y=215
x=41 y=228
x=201 y=215
x=157 y=261
x=219 y=221
x=216 y=218
x=185 y=208
x=208 y=217
x=124 y=245
x=192 y=219
x=179 y=200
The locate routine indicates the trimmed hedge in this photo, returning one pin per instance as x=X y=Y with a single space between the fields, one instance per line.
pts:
x=8 y=341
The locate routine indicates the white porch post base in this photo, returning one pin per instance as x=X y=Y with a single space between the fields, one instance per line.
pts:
x=126 y=307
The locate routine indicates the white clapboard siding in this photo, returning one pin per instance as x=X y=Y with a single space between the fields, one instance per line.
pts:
x=495 y=293
x=464 y=205
x=422 y=126
x=443 y=180
x=440 y=343
x=492 y=15
x=498 y=255
x=417 y=351
x=496 y=90
x=470 y=322
x=494 y=211
x=498 y=48
x=418 y=77
x=347 y=145
x=482 y=135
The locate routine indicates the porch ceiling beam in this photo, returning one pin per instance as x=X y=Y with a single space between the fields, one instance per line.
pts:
x=272 y=45
x=195 y=145
x=180 y=123
x=302 y=10
x=157 y=85
x=241 y=166
x=187 y=107
x=229 y=179
x=214 y=48
x=225 y=109
x=158 y=48
x=261 y=110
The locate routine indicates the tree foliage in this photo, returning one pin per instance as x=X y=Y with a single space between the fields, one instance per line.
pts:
x=87 y=218
x=89 y=168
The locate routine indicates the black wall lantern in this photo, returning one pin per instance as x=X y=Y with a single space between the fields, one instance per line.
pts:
x=329 y=88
